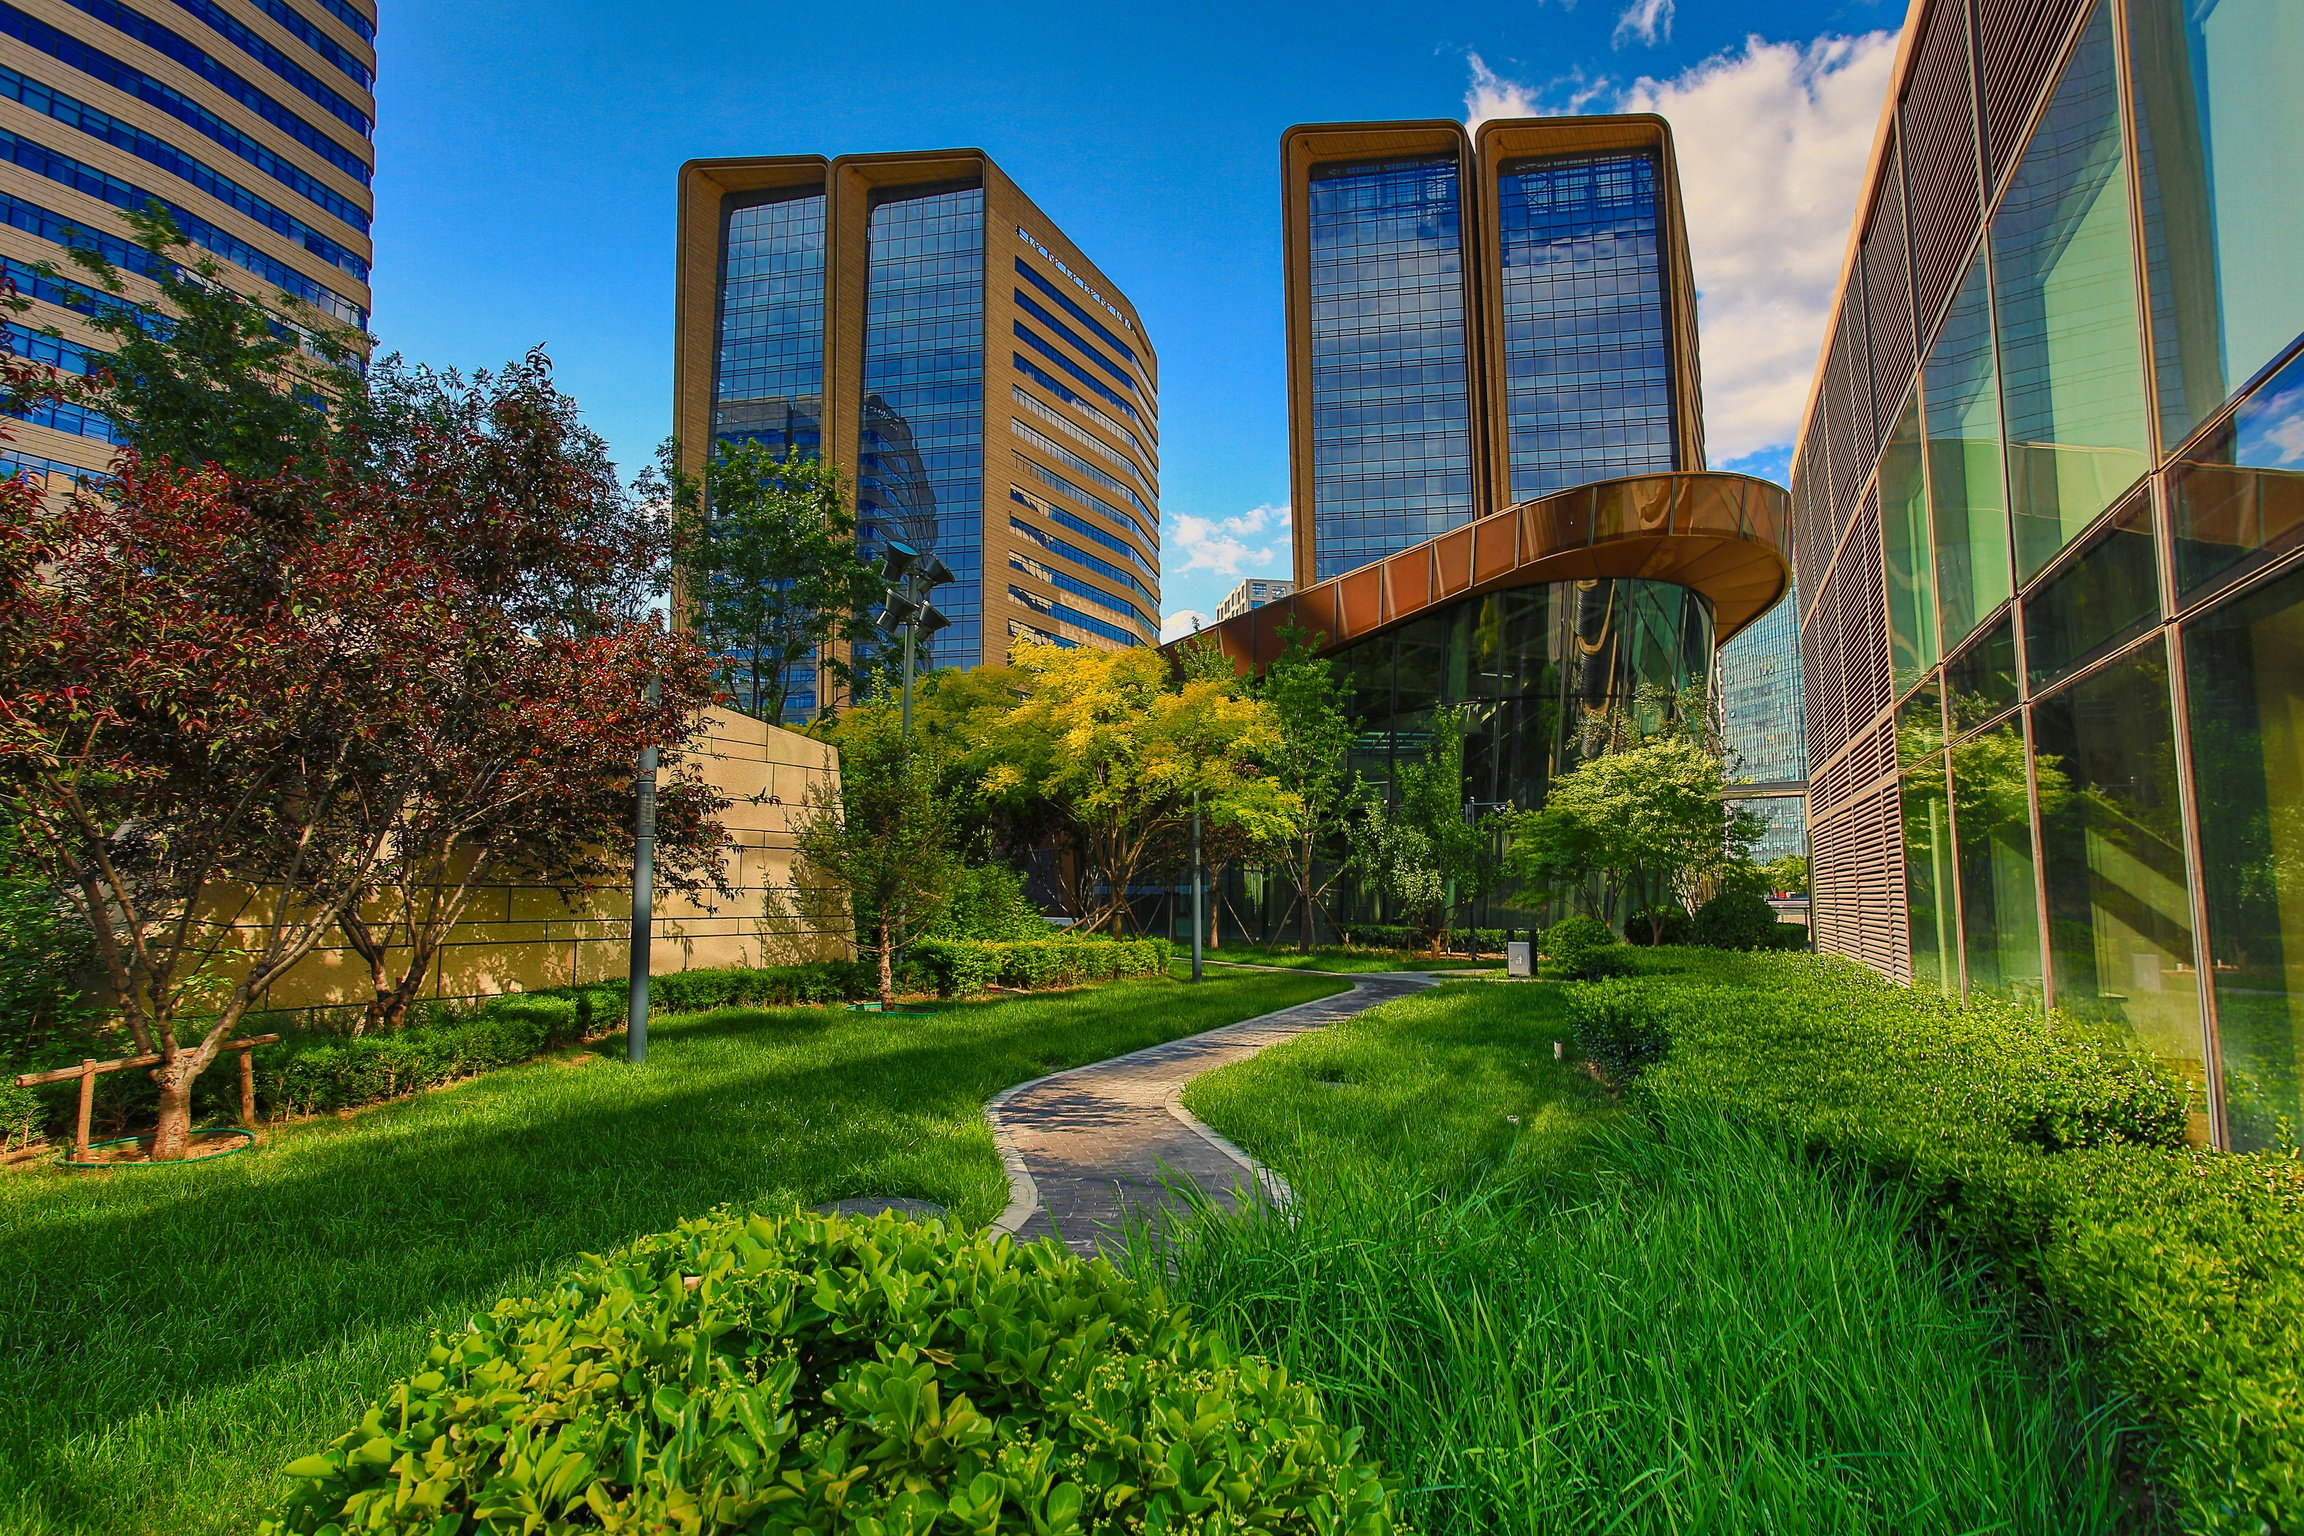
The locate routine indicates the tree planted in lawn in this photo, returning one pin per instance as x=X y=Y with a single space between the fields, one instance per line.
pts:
x=204 y=675
x=1313 y=711
x=1424 y=848
x=885 y=835
x=766 y=550
x=1654 y=823
x=1111 y=748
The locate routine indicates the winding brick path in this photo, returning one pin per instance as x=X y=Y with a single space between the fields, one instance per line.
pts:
x=1085 y=1146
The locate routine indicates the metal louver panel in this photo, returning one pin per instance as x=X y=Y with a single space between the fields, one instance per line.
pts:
x=1888 y=298
x=1936 y=124
x=2018 y=43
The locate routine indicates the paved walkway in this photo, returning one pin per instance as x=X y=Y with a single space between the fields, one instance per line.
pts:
x=1085 y=1146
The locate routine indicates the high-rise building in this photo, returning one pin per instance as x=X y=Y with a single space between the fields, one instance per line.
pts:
x=250 y=124
x=1255 y=592
x=2050 y=496
x=1764 y=723
x=1496 y=441
x=915 y=319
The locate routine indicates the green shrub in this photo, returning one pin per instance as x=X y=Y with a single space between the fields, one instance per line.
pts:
x=959 y=968
x=1582 y=947
x=1640 y=927
x=813 y=1374
x=1399 y=936
x=1735 y=920
x=988 y=904
x=2055 y=1144
x=777 y=986
x=311 y=1074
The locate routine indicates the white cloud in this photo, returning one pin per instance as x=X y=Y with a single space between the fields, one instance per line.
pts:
x=1773 y=142
x=1181 y=623
x=1644 y=21
x=1253 y=544
x=1494 y=96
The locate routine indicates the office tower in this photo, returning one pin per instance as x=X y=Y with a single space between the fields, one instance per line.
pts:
x=1255 y=592
x=1764 y=724
x=2050 y=497
x=1496 y=442
x=251 y=125
x=914 y=318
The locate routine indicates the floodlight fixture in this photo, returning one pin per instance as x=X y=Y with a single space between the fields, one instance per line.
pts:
x=897 y=557
x=933 y=573
x=895 y=611
x=930 y=620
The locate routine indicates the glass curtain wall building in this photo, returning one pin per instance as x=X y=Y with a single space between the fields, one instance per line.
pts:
x=994 y=397
x=260 y=146
x=1496 y=444
x=2050 y=508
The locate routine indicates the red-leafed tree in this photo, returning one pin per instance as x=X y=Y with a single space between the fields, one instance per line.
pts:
x=520 y=770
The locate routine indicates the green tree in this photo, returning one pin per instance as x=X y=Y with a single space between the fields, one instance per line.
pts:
x=1313 y=710
x=1788 y=873
x=885 y=836
x=765 y=548
x=212 y=376
x=1422 y=848
x=1655 y=823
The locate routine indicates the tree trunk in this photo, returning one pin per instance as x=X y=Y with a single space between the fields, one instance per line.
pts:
x=1304 y=899
x=887 y=964
x=175 y=1077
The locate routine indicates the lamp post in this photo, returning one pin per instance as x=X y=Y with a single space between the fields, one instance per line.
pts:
x=910 y=576
x=1199 y=885
x=643 y=898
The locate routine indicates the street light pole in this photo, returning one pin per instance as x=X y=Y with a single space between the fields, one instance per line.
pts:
x=1199 y=923
x=643 y=898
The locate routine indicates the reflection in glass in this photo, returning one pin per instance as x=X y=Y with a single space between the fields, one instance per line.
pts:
x=1967 y=491
x=2112 y=858
x=1981 y=681
x=1587 y=357
x=1999 y=901
x=2238 y=495
x=1911 y=558
x=769 y=380
x=1920 y=726
x=2071 y=347
x=2220 y=128
x=2110 y=593
x=1934 y=925
x=920 y=459
x=1763 y=710
x=1391 y=412
x=2244 y=669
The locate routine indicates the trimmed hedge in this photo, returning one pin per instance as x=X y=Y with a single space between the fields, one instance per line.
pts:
x=2059 y=1146
x=822 y=1374
x=961 y=968
x=1583 y=947
x=780 y=986
x=1399 y=936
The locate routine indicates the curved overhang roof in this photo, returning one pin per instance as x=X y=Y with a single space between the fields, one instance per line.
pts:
x=1726 y=536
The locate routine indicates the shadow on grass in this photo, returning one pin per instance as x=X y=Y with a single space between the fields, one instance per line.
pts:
x=130 y=1299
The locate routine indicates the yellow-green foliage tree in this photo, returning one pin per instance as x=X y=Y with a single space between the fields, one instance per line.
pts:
x=1106 y=749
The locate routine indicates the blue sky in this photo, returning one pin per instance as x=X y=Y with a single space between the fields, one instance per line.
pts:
x=526 y=159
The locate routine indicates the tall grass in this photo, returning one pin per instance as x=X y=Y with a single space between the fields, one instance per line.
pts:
x=171 y=1337
x=1585 y=1322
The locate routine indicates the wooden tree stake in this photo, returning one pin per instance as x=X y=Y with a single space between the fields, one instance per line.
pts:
x=87 y=1108
x=248 y=1089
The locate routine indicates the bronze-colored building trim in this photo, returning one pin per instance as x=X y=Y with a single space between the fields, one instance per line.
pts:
x=1725 y=536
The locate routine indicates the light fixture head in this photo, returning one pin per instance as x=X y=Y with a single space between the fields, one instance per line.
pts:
x=897 y=557
x=931 y=620
x=895 y=611
x=933 y=573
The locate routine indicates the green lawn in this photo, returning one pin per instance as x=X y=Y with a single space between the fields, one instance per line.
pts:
x=1352 y=962
x=175 y=1335
x=1550 y=1314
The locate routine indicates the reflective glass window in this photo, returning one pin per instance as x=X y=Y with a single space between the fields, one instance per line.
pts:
x=920 y=459
x=2110 y=593
x=1587 y=347
x=1912 y=647
x=1763 y=712
x=770 y=377
x=2237 y=496
x=1934 y=925
x=1981 y=681
x=2112 y=857
x=1967 y=491
x=1999 y=896
x=2244 y=671
x=1391 y=410
x=2220 y=130
x=1920 y=726
x=2071 y=343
